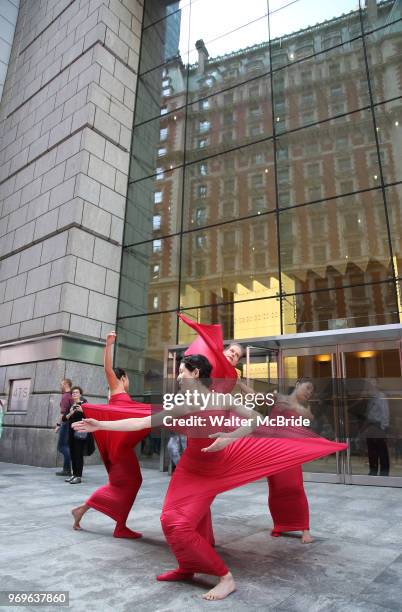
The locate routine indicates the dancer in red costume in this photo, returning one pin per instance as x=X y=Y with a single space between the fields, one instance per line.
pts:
x=287 y=500
x=117 y=497
x=206 y=469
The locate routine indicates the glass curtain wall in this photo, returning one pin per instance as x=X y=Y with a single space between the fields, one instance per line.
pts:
x=265 y=186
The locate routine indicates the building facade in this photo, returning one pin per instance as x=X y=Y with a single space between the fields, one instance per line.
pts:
x=245 y=169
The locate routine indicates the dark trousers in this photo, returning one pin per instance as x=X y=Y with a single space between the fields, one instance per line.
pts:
x=63 y=446
x=77 y=454
x=378 y=456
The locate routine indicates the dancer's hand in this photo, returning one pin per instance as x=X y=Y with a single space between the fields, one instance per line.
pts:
x=217 y=445
x=111 y=338
x=86 y=425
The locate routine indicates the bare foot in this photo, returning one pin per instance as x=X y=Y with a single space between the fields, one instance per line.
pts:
x=78 y=513
x=306 y=537
x=225 y=586
x=175 y=576
x=124 y=532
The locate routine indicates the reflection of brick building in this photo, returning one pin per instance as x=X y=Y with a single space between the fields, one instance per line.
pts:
x=308 y=203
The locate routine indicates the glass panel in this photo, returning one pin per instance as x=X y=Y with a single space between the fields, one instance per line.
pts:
x=239 y=320
x=326 y=160
x=160 y=92
x=165 y=41
x=230 y=186
x=318 y=25
x=233 y=27
x=141 y=343
x=149 y=277
x=340 y=242
x=394 y=206
x=224 y=121
x=232 y=262
x=157 y=10
x=159 y=142
x=326 y=85
x=378 y=13
x=373 y=407
x=340 y=308
x=154 y=206
x=384 y=54
x=389 y=129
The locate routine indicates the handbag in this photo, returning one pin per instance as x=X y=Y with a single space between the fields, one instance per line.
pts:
x=80 y=435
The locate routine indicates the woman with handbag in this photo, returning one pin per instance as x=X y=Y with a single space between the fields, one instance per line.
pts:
x=80 y=442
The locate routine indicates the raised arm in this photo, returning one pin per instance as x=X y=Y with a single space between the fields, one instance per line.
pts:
x=112 y=380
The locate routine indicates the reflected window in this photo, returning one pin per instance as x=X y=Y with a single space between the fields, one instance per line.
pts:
x=156 y=222
x=201 y=241
x=158 y=197
x=155 y=302
x=202 y=143
x=161 y=151
x=260 y=261
x=284 y=199
x=159 y=174
x=163 y=134
x=204 y=126
x=344 y=164
x=155 y=271
x=199 y=268
x=204 y=104
x=258 y=204
x=164 y=110
x=203 y=169
x=228 y=99
x=156 y=246
x=228 y=209
x=229 y=185
x=202 y=191
x=283 y=176
x=200 y=216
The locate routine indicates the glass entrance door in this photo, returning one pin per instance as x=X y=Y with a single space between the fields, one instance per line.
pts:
x=373 y=412
x=319 y=364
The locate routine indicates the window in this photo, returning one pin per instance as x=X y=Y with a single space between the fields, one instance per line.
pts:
x=156 y=246
x=315 y=193
x=156 y=222
x=257 y=181
x=200 y=216
x=229 y=185
x=253 y=91
x=228 y=209
x=284 y=199
x=320 y=253
x=283 y=176
x=260 y=261
x=155 y=271
x=313 y=169
x=161 y=151
x=229 y=264
x=159 y=174
x=204 y=104
x=204 y=126
x=258 y=204
x=158 y=197
x=202 y=191
x=282 y=154
x=258 y=232
x=255 y=130
x=254 y=111
x=344 y=164
x=163 y=134
x=201 y=241
x=199 y=268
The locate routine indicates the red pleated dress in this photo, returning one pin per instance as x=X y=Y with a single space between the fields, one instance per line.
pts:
x=116 y=498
